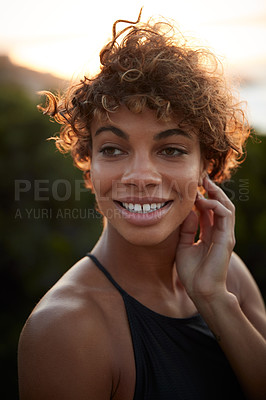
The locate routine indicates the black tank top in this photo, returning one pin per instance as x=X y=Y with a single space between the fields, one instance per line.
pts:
x=175 y=358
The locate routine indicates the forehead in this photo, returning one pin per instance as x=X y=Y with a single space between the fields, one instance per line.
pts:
x=144 y=122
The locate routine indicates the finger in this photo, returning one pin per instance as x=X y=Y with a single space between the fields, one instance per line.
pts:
x=214 y=192
x=217 y=207
x=222 y=227
x=206 y=223
x=188 y=229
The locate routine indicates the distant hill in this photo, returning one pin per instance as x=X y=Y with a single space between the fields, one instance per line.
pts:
x=31 y=80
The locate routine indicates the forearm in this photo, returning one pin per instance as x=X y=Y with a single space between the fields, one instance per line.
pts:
x=242 y=344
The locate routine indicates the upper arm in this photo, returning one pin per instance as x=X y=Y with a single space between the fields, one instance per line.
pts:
x=64 y=357
x=249 y=296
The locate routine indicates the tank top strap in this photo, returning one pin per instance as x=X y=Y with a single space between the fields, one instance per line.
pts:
x=105 y=272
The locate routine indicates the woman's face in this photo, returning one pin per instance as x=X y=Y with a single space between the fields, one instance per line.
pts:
x=145 y=174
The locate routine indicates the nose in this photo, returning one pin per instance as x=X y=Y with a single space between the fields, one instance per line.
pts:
x=141 y=172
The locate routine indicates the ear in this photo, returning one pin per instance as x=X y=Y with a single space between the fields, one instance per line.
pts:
x=202 y=176
x=203 y=173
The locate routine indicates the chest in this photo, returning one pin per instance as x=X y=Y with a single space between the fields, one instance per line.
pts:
x=157 y=357
x=124 y=336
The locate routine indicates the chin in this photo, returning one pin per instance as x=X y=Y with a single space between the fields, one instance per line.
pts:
x=145 y=237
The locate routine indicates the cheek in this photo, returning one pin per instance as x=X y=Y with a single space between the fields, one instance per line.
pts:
x=192 y=182
x=105 y=183
x=98 y=181
x=100 y=174
x=186 y=183
x=189 y=192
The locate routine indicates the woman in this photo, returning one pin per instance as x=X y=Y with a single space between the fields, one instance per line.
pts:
x=151 y=312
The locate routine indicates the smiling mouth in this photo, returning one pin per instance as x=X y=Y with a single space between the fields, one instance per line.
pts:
x=143 y=208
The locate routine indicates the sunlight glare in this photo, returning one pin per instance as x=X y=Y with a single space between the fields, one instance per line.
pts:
x=65 y=38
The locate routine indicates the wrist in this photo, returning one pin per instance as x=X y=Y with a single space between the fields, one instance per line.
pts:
x=216 y=303
x=218 y=311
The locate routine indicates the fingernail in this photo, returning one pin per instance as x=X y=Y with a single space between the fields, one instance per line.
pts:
x=199 y=196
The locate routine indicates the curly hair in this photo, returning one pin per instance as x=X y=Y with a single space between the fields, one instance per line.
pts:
x=152 y=66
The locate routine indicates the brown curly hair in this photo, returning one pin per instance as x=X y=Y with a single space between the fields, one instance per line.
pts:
x=151 y=65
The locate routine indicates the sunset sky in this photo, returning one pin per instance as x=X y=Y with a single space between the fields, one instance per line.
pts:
x=64 y=37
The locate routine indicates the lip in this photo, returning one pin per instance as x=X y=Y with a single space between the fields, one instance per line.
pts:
x=142 y=200
x=143 y=219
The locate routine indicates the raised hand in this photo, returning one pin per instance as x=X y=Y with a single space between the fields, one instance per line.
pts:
x=202 y=266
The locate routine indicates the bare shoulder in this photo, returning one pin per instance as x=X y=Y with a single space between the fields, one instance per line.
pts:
x=241 y=282
x=64 y=349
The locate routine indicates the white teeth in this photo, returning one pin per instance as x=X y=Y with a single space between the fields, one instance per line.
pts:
x=145 y=208
x=137 y=208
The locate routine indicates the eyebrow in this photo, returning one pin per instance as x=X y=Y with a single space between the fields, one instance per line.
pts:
x=172 y=132
x=116 y=131
x=161 y=135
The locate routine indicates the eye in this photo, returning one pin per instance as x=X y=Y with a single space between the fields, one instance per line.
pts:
x=172 y=152
x=111 y=151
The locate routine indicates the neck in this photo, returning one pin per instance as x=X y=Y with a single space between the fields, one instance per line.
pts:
x=138 y=266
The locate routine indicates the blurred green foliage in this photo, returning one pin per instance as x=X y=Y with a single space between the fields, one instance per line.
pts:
x=48 y=219
x=247 y=190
